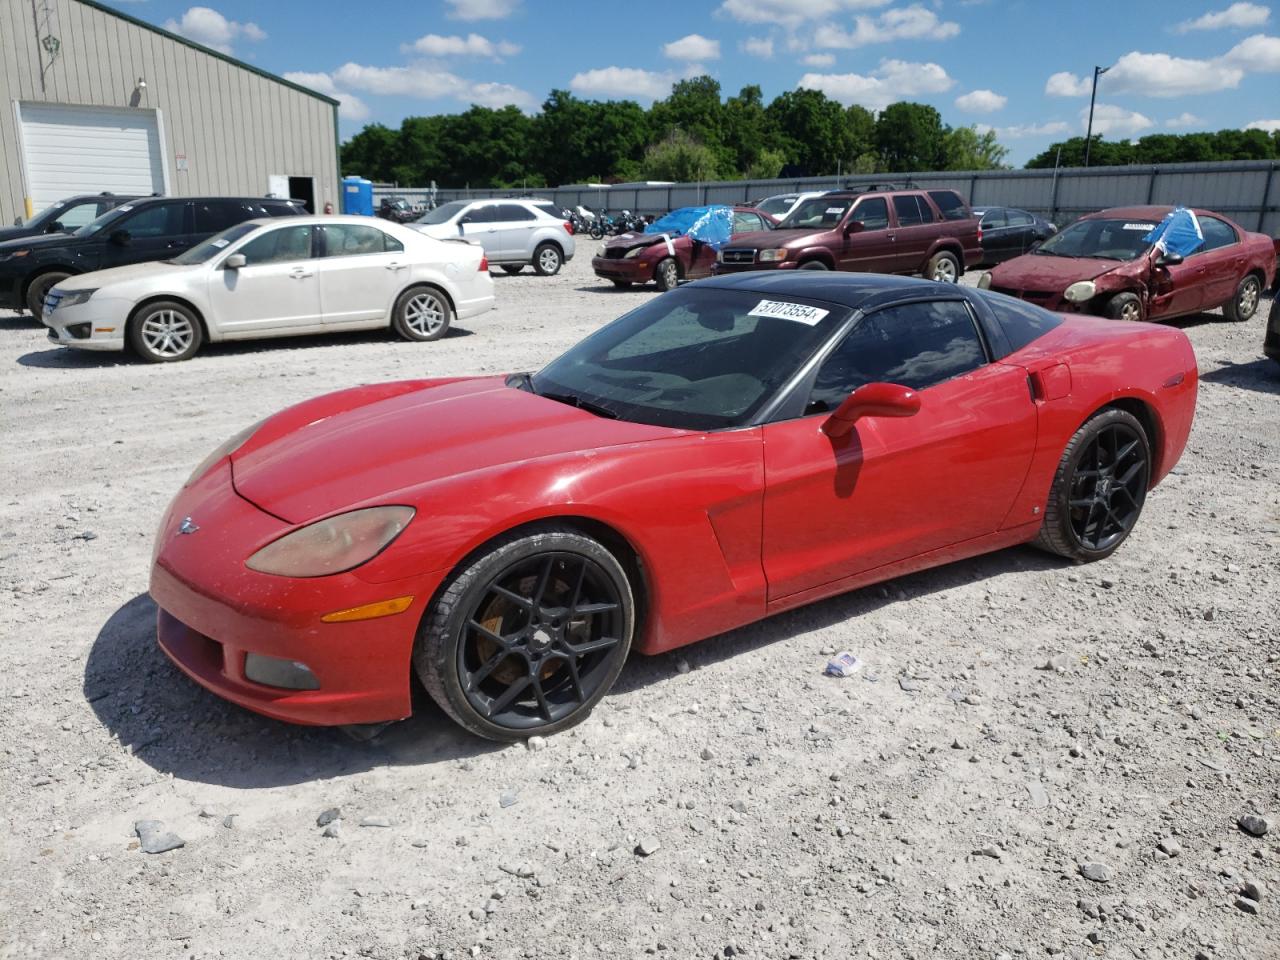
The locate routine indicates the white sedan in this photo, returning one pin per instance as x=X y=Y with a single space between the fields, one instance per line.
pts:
x=274 y=278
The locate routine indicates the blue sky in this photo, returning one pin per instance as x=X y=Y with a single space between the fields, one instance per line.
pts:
x=1021 y=67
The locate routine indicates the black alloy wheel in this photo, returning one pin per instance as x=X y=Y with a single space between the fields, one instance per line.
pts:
x=527 y=640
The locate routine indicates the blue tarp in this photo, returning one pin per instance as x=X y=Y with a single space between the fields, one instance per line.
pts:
x=712 y=225
x=1179 y=232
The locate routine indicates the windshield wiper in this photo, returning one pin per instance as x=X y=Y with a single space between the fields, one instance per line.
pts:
x=581 y=404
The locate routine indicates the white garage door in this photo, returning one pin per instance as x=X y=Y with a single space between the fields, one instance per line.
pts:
x=70 y=150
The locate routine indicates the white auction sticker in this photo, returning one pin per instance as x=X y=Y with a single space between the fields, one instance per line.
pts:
x=831 y=210
x=220 y=242
x=1140 y=226
x=800 y=312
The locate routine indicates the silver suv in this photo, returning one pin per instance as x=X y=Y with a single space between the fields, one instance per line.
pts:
x=512 y=232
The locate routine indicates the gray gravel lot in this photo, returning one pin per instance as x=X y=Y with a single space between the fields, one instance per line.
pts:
x=1037 y=759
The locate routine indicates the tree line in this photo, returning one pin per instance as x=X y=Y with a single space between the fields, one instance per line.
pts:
x=694 y=134
x=1163 y=148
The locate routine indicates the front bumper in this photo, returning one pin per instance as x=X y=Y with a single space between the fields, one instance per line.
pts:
x=93 y=325
x=634 y=270
x=214 y=611
x=721 y=268
x=1048 y=299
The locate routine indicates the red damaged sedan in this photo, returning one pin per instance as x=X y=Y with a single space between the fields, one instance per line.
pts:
x=1102 y=264
x=727 y=451
x=640 y=257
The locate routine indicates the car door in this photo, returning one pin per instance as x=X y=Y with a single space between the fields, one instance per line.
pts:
x=276 y=288
x=361 y=269
x=896 y=488
x=1223 y=262
x=1022 y=231
x=516 y=225
x=155 y=231
x=480 y=224
x=914 y=233
x=873 y=248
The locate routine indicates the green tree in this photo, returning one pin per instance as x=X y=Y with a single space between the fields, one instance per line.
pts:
x=812 y=130
x=371 y=153
x=964 y=148
x=694 y=108
x=910 y=137
x=748 y=134
x=679 y=157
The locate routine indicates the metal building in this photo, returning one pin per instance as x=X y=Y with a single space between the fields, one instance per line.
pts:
x=93 y=100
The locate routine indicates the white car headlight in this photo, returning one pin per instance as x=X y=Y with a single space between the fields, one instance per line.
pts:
x=984 y=281
x=601 y=252
x=772 y=256
x=332 y=546
x=1081 y=291
x=223 y=450
x=71 y=298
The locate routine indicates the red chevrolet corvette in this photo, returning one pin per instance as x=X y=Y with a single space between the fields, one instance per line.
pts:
x=728 y=450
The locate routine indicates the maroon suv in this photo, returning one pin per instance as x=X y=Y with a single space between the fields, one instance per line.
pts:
x=930 y=232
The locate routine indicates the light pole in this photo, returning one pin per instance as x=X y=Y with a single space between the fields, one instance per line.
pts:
x=1088 y=137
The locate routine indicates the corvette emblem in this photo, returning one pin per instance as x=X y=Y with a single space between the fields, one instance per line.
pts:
x=188 y=526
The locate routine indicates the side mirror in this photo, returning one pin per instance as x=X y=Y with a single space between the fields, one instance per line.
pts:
x=55 y=227
x=235 y=261
x=1168 y=259
x=871 y=400
x=17 y=221
x=120 y=238
x=854 y=226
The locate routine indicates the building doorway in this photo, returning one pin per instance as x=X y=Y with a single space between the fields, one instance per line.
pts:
x=304 y=189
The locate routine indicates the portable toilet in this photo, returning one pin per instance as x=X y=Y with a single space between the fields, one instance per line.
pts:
x=357 y=196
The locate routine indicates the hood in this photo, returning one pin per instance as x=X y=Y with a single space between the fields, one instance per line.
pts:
x=766 y=239
x=441 y=231
x=135 y=271
x=381 y=443
x=14 y=233
x=41 y=240
x=629 y=241
x=1043 y=272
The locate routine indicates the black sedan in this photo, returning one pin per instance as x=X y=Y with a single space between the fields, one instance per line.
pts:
x=1008 y=232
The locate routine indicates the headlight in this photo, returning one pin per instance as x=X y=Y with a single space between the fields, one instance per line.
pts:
x=635 y=252
x=600 y=252
x=74 y=297
x=772 y=256
x=984 y=281
x=334 y=545
x=1081 y=291
x=225 y=450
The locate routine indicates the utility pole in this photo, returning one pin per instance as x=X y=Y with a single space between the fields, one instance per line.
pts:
x=1088 y=137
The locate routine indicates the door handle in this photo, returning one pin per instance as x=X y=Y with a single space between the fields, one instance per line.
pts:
x=396 y=266
x=891 y=236
x=297 y=273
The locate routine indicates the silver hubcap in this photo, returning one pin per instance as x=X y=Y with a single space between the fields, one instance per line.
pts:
x=1130 y=312
x=1248 y=299
x=670 y=276
x=424 y=315
x=167 y=333
x=945 y=271
x=549 y=260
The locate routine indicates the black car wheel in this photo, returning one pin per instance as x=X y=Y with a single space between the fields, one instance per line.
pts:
x=1124 y=306
x=1099 y=488
x=1244 y=304
x=40 y=288
x=512 y=268
x=528 y=638
x=813 y=265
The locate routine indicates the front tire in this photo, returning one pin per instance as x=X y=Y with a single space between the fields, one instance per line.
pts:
x=667 y=274
x=1244 y=304
x=1099 y=488
x=422 y=314
x=547 y=260
x=943 y=267
x=1124 y=306
x=512 y=268
x=165 y=332
x=814 y=265
x=39 y=289
x=528 y=638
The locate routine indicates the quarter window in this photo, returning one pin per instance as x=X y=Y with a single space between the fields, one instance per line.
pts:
x=514 y=212
x=354 y=240
x=1217 y=233
x=950 y=204
x=916 y=345
x=286 y=245
x=872 y=213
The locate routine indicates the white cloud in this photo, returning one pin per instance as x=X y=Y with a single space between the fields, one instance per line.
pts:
x=482 y=9
x=1271 y=126
x=428 y=84
x=791 y=13
x=350 y=106
x=1066 y=84
x=691 y=48
x=908 y=23
x=472 y=45
x=1022 y=131
x=1117 y=121
x=629 y=82
x=1184 y=120
x=761 y=47
x=819 y=60
x=893 y=80
x=1160 y=75
x=206 y=25
x=981 y=101
x=1238 y=15
x=1256 y=54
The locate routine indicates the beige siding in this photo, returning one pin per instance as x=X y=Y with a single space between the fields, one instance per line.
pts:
x=235 y=126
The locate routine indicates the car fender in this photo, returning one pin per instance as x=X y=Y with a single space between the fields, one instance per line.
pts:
x=816 y=253
x=426 y=276
x=950 y=245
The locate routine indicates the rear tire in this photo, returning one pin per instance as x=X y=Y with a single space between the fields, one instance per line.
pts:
x=1125 y=306
x=1105 y=470
x=422 y=314
x=165 y=332
x=500 y=650
x=943 y=267
x=547 y=260
x=667 y=274
x=1244 y=303
x=40 y=288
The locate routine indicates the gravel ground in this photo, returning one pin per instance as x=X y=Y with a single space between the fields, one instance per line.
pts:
x=1037 y=759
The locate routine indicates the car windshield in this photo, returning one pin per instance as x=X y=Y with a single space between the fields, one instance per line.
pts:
x=818 y=213
x=692 y=359
x=108 y=218
x=1100 y=239
x=210 y=248
x=776 y=206
x=445 y=212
